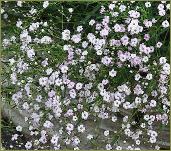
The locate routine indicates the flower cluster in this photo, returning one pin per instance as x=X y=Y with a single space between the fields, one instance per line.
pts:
x=110 y=91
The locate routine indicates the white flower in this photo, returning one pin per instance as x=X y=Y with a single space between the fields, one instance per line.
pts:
x=114 y=118
x=28 y=145
x=91 y=37
x=122 y=8
x=76 y=141
x=49 y=71
x=69 y=127
x=153 y=140
x=45 y=24
x=145 y=59
x=160 y=7
x=25 y=106
x=106 y=97
x=19 y=23
x=149 y=76
x=45 y=4
x=76 y=38
x=43 y=81
x=2 y=10
x=106 y=133
x=134 y=42
x=34 y=26
x=89 y=136
x=19 y=3
x=99 y=52
x=67 y=47
x=5 y=16
x=165 y=24
x=81 y=128
x=58 y=82
x=72 y=93
x=154 y=20
x=98 y=26
x=19 y=128
x=79 y=28
x=74 y=118
x=116 y=103
x=6 y=42
x=79 y=86
x=114 y=14
x=48 y=124
x=117 y=28
x=162 y=60
x=137 y=100
x=84 y=115
x=147 y=4
x=162 y=12
x=46 y=40
x=54 y=139
x=134 y=28
x=134 y=14
x=118 y=148
x=69 y=112
x=30 y=53
x=70 y=10
x=153 y=133
x=106 y=60
x=84 y=44
x=112 y=73
x=24 y=37
x=12 y=61
x=148 y=24
x=168 y=6
x=105 y=81
x=159 y=44
x=92 y=22
x=153 y=103
x=122 y=57
x=71 y=85
x=64 y=69
x=76 y=148
x=146 y=117
x=166 y=67
x=33 y=11
x=111 y=6
x=66 y=35
x=14 y=137
x=108 y=147
x=104 y=32
x=84 y=53
x=137 y=77
x=13 y=39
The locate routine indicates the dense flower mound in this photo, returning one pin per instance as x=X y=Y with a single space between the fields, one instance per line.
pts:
x=103 y=85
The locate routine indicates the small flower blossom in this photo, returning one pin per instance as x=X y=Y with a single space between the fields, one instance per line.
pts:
x=66 y=35
x=92 y=22
x=81 y=128
x=45 y=4
x=165 y=24
x=55 y=139
x=112 y=73
x=19 y=128
x=48 y=124
x=70 y=10
x=69 y=127
x=28 y=145
x=84 y=115
x=64 y=69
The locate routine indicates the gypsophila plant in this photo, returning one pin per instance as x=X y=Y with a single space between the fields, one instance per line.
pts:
x=87 y=75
